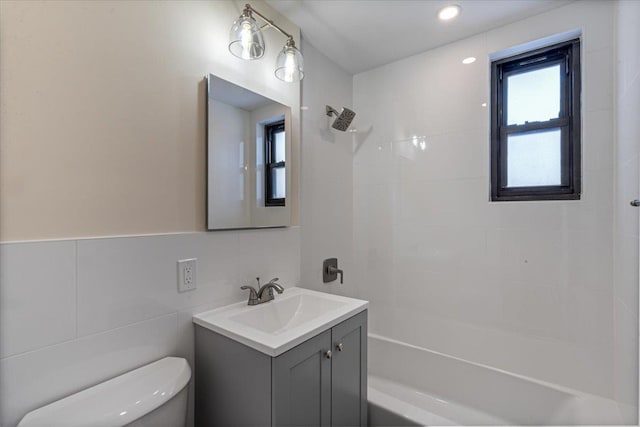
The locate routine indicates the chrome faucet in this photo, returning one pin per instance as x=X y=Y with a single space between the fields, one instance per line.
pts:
x=257 y=296
x=269 y=287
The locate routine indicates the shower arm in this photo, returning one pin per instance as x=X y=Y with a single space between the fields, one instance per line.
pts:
x=331 y=110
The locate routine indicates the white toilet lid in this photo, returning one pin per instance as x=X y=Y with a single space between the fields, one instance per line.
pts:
x=117 y=402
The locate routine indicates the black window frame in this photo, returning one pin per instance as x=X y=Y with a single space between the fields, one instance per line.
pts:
x=270 y=162
x=567 y=54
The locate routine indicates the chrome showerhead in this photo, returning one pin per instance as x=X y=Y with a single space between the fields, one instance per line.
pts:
x=343 y=119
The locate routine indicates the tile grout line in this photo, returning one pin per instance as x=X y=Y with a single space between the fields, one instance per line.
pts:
x=80 y=338
x=159 y=234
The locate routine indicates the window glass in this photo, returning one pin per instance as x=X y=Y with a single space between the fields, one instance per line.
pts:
x=533 y=159
x=279 y=183
x=533 y=96
x=279 y=146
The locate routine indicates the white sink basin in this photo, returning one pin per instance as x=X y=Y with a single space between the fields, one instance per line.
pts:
x=287 y=313
x=279 y=325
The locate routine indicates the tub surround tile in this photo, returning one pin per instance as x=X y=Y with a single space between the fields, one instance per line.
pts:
x=557 y=361
x=445 y=156
x=37 y=295
x=326 y=198
x=626 y=356
x=627 y=190
x=414 y=203
x=597 y=75
x=626 y=235
x=628 y=126
x=597 y=134
x=626 y=271
x=593 y=18
x=490 y=282
x=628 y=413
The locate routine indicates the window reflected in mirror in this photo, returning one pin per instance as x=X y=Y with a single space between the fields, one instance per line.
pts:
x=275 y=177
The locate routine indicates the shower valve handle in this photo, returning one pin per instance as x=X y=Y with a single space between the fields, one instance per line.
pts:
x=335 y=270
x=330 y=270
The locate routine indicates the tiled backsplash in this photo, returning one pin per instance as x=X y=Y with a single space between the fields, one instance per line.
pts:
x=76 y=312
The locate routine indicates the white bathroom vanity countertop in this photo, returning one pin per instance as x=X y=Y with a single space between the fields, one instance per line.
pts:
x=279 y=325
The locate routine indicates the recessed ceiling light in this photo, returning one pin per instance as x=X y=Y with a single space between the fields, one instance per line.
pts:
x=469 y=60
x=449 y=12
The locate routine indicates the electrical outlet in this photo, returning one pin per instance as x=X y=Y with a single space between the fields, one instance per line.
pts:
x=187 y=275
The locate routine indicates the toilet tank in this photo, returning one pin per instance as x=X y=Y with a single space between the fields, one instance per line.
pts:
x=153 y=395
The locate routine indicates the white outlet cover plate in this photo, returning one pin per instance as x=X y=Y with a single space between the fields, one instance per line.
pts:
x=187 y=275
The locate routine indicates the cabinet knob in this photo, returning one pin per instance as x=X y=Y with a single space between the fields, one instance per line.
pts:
x=339 y=347
x=635 y=203
x=328 y=354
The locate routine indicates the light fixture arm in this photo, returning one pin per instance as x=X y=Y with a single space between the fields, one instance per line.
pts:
x=247 y=42
x=248 y=10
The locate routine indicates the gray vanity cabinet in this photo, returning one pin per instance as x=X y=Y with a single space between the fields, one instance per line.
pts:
x=349 y=372
x=321 y=382
x=302 y=384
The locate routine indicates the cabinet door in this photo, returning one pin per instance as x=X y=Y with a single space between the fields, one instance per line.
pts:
x=302 y=384
x=349 y=372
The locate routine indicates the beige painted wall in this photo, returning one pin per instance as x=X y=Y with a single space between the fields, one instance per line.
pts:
x=102 y=113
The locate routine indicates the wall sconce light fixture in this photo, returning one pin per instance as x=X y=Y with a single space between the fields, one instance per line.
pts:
x=246 y=42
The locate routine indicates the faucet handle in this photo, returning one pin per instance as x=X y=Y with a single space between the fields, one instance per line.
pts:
x=274 y=280
x=253 y=294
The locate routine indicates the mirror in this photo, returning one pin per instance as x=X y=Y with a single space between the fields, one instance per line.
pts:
x=248 y=154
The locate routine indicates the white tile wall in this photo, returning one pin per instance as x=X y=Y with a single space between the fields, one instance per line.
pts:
x=129 y=312
x=626 y=361
x=625 y=236
x=39 y=377
x=37 y=296
x=511 y=285
x=125 y=280
x=326 y=200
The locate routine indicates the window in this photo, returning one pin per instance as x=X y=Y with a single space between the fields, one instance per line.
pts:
x=535 y=125
x=275 y=172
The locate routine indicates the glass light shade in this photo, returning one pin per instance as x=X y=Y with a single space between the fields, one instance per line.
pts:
x=290 y=65
x=245 y=38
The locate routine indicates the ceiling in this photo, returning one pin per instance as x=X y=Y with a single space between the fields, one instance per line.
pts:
x=363 y=34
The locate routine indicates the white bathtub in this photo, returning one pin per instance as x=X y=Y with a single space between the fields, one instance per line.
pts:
x=409 y=385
